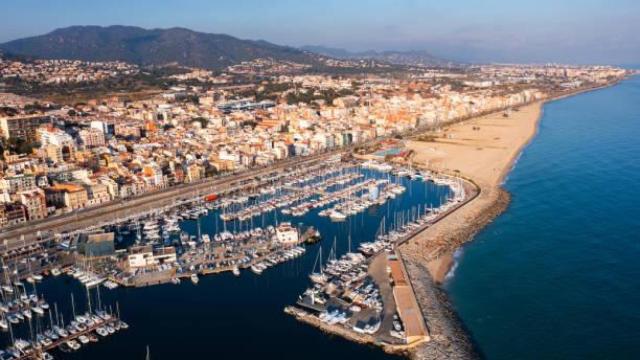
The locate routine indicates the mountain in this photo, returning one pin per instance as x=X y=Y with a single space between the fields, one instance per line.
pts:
x=411 y=57
x=150 y=46
x=329 y=51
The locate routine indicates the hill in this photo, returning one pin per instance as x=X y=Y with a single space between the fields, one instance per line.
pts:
x=151 y=46
x=412 y=57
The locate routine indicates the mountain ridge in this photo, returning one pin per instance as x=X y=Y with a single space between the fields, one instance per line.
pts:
x=151 y=46
x=407 y=57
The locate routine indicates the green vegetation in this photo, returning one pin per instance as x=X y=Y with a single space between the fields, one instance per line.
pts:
x=310 y=96
x=154 y=46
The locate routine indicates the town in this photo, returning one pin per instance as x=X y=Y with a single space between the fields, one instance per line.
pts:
x=215 y=172
x=59 y=158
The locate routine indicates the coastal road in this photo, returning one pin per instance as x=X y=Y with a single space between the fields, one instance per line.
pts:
x=27 y=233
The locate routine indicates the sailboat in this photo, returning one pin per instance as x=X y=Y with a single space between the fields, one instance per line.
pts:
x=332 y=253
x=318 y=277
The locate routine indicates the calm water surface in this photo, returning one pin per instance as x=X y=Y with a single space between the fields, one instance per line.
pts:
x=557 y=276
x=228 y=317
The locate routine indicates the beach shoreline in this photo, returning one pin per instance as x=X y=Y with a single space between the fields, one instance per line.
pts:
x=487 y=174
x=430 y=255
x=440 y=267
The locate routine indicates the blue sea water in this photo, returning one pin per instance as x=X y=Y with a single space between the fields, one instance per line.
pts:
x=557 y=276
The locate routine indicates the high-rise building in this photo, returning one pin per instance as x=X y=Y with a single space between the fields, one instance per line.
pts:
x=22 y=127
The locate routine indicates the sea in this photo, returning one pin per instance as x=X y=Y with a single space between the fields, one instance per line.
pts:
x=557 y=276
x=229 y=317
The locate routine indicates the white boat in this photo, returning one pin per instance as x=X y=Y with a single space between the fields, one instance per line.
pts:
x=60 y=331
x=102 y=331
x=73 y=345
x=195 y=279
x=27 y=313
x=256 y=269
x=38 y=310
x=318 y=278
x=337 y=216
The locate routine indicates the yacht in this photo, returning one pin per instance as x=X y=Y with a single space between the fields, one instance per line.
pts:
x=73 y=345
x=27 y=313
x=337 y=216
x=102 y=331
x=195 y=279
x=38 y=310
x=256 y=269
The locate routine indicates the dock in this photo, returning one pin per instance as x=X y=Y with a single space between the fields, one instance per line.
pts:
x=36 y=352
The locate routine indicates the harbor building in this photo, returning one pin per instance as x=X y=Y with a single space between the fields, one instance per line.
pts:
x=414 y=327
x=147 y=256
x=96 y=245
x=287 y=234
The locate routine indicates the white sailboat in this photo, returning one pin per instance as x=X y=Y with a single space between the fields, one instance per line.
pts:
x=318 y=277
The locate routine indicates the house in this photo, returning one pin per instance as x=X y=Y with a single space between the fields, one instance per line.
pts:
x=69 y=196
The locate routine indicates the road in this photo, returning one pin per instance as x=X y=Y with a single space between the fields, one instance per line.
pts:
x=27 y=233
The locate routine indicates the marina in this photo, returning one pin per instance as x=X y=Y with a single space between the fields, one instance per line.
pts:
x=37 y=330
x=190 y=247
x=365 y=294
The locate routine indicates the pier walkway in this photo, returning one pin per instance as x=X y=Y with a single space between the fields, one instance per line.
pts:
x=36 y=352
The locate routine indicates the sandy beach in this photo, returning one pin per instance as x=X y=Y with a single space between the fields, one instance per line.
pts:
x=482 y=150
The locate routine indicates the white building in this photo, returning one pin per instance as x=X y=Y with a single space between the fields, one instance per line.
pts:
x=287 y=234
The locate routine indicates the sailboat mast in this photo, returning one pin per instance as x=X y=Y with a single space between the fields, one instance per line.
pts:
x=89 y=299
x=73 y=306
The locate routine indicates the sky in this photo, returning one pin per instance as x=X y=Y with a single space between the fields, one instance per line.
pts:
x=524 y=31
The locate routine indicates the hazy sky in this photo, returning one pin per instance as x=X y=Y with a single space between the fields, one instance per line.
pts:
x=585 y=31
